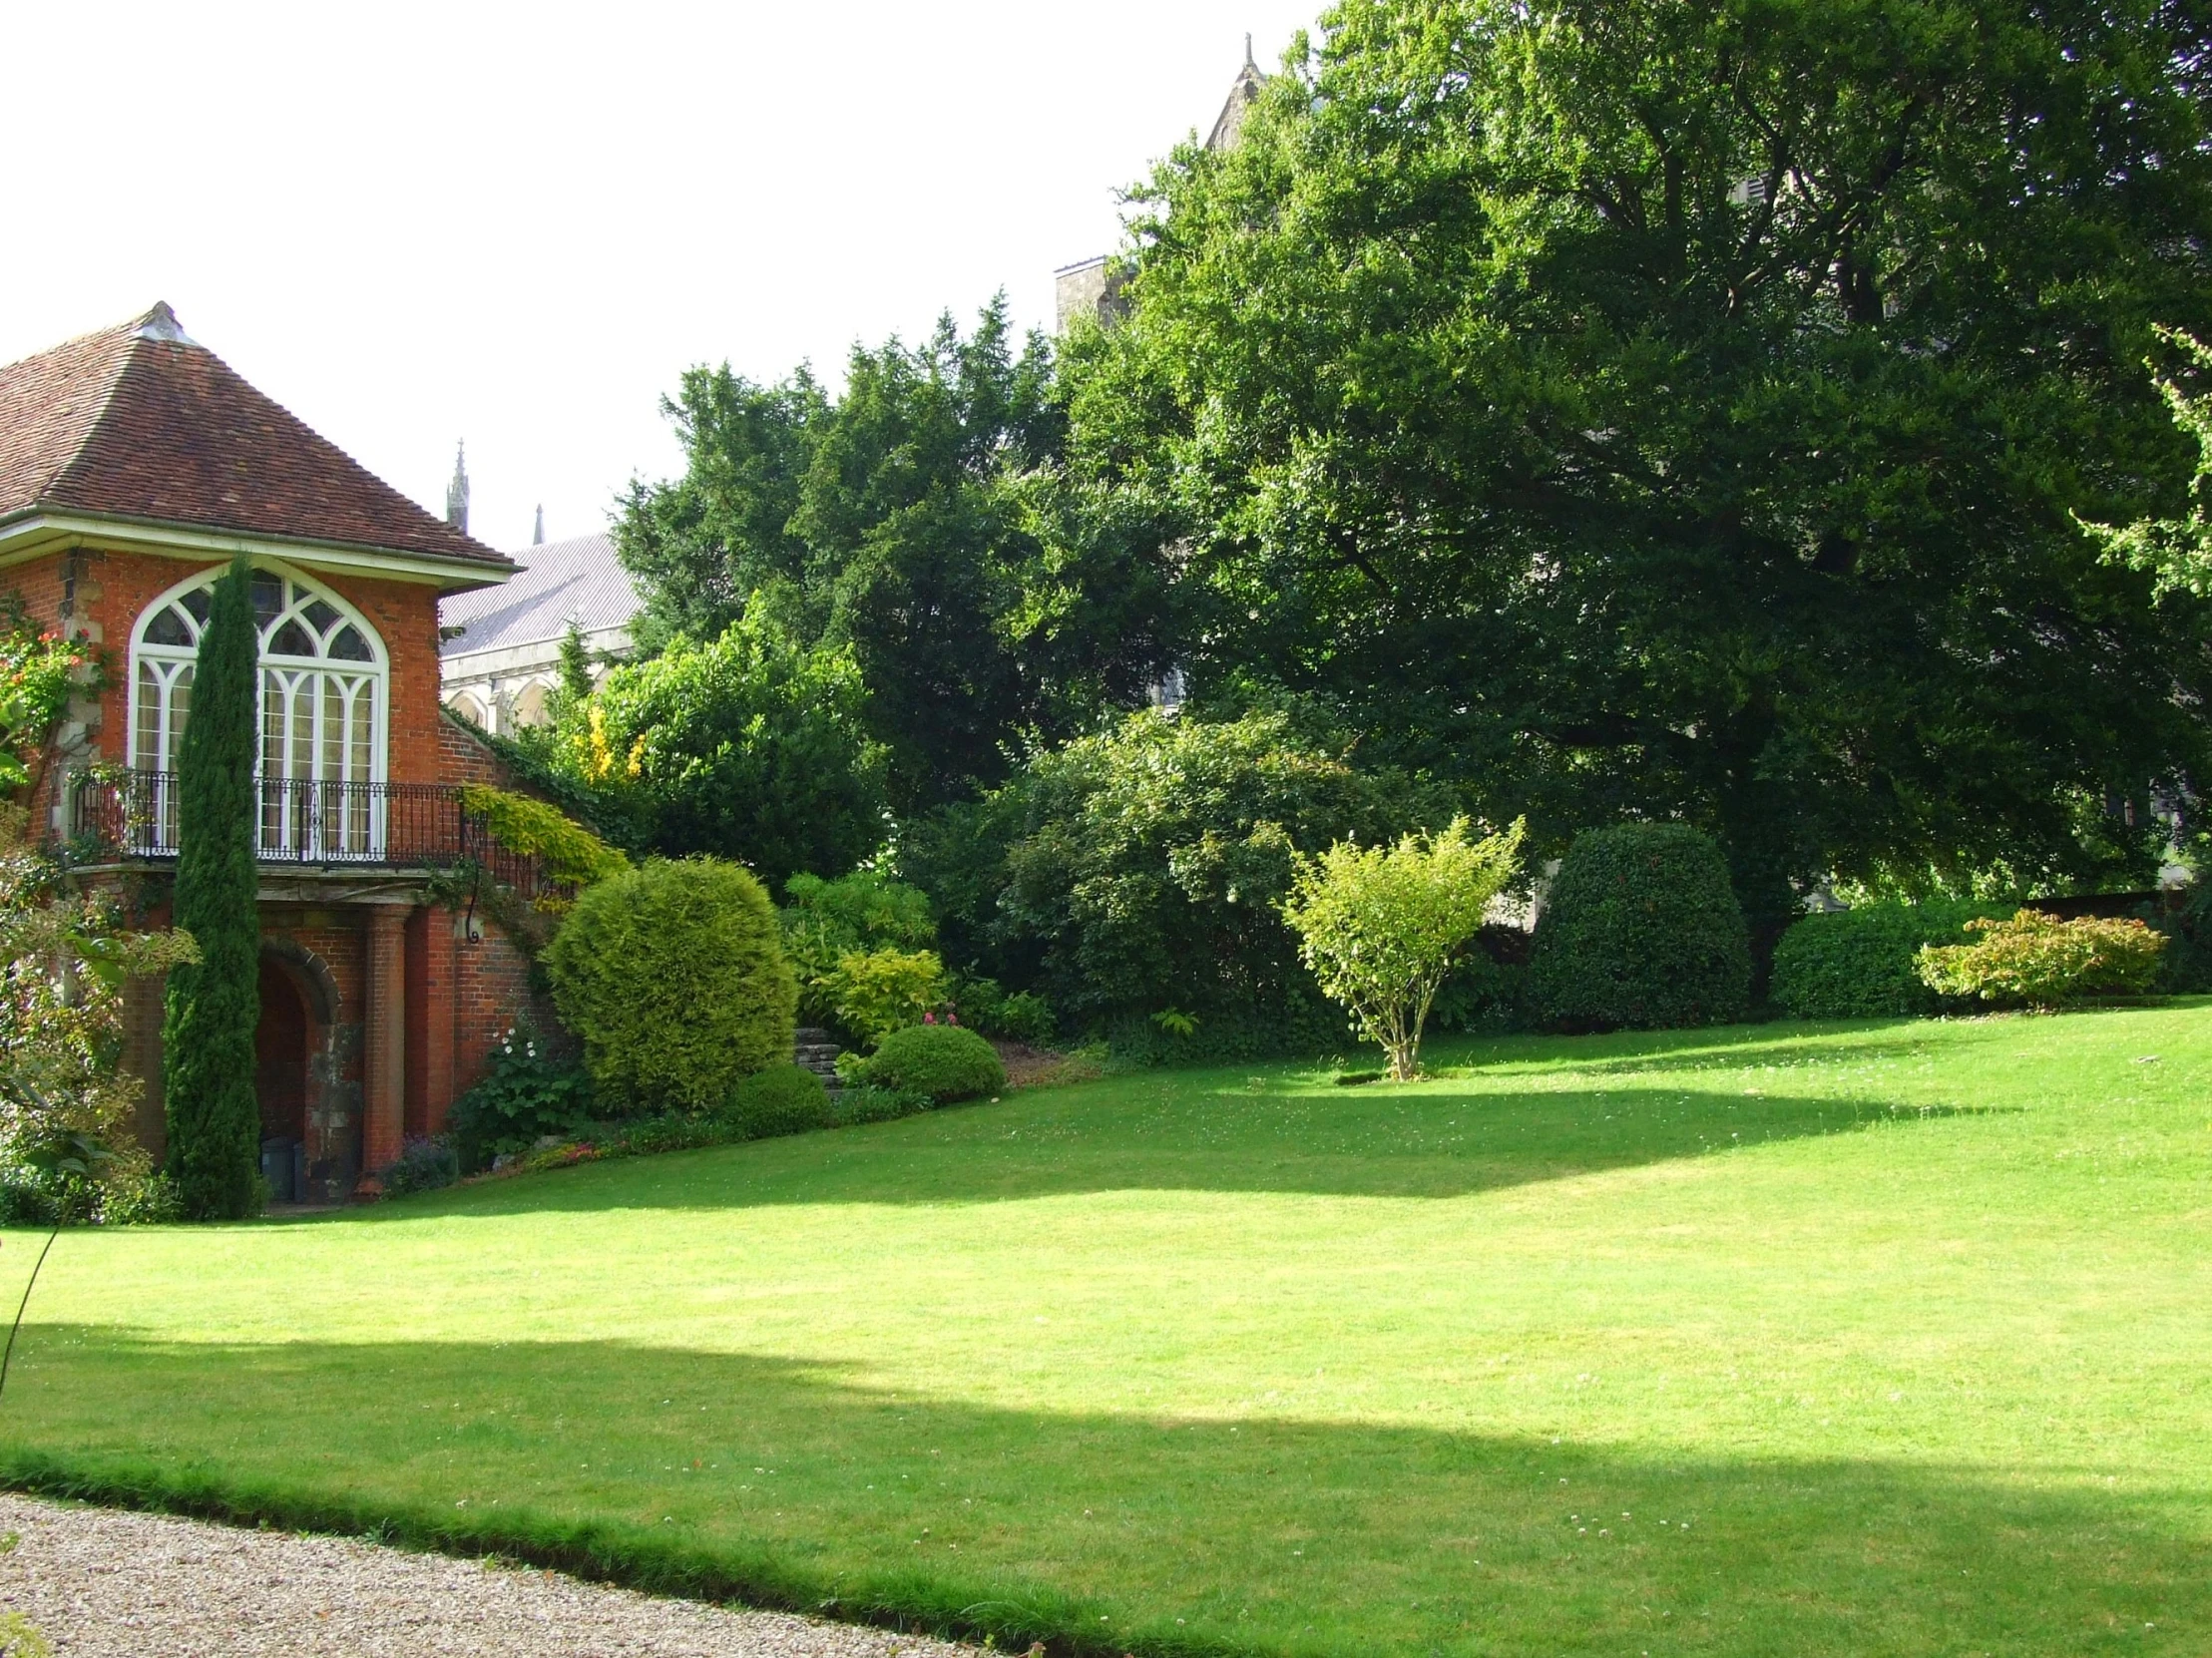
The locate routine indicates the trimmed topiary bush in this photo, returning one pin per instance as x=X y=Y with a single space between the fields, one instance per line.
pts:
x=784 y=1099
x=941 y=1060
x=1640 y=931
x=1859 y=964
x=674 y=977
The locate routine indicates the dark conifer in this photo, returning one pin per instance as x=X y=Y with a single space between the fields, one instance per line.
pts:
x=214 y=1004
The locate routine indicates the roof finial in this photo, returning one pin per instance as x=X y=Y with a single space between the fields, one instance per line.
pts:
x=1248 y=63
x=457 y=492
x=161 y=323
x=537 y=536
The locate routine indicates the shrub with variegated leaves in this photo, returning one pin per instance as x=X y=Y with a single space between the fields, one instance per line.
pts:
x=2035 y=960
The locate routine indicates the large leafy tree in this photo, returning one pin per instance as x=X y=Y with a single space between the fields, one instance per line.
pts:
x=2176 y=551
x=752 y=747
x=207 y=1060
x=1646 y=407
x=920 y=519
x=1143 y=869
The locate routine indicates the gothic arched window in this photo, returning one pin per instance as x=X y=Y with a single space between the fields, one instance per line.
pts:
x=323 y=697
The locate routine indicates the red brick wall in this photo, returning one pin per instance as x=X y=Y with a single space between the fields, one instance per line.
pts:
x=39 y=585
x=462 y=994
x=492 y=982
x=115 y=587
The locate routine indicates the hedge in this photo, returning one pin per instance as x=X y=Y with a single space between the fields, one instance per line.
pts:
x=1640 y=930
x=1858 y=963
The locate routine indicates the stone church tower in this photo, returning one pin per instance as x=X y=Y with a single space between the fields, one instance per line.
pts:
x=1088 y=287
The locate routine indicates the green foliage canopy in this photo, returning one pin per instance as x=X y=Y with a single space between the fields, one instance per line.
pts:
x=877 y=922
x=1672 y=408
x=922 y=521
x=755 y=746
x=1145 y=868
x=2176 y=552
x=215 y=1003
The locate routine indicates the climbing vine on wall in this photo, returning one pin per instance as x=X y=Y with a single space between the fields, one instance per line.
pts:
x=39 y=673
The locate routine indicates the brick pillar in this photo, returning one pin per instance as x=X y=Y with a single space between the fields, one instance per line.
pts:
x=430 y=1006
x=384 y=1041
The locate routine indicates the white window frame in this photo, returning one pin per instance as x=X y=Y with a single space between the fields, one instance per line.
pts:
x=302 y=592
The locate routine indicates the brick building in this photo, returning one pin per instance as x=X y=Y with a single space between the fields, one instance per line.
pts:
x=134 y=463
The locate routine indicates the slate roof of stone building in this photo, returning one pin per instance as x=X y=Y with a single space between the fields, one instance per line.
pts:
x=140 y=422
x=576 y=580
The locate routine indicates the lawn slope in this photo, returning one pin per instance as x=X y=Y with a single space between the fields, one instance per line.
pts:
x=1868 y=1339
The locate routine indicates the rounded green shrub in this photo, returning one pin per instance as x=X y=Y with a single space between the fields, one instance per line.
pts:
x=784 y=1099
x=1860 y=963
x=1640 y=930
x=945 y=1061
x=674 y=977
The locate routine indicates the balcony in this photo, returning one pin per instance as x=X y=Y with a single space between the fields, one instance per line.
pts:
x=305 y=823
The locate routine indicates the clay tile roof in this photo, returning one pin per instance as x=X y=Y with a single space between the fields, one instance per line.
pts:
x=142 y=422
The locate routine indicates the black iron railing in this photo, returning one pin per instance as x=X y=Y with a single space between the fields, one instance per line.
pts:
x=309 y=821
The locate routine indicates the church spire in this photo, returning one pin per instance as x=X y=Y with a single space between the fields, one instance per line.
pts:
x=1245 y=89
x=457 y=492
x=538 y=535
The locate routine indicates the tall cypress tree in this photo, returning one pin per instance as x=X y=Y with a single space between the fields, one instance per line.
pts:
x=215 y=1119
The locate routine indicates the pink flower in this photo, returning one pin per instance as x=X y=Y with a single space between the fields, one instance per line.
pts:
x=929 y=1019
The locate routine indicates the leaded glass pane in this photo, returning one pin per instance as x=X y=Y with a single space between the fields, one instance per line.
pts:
x=198 y=603
x=291 y=639
x=268 y=599
x=333 y=727
x=303 y=726
x=146 y=741
x=169 y=628
x=319 y=614
x=180 y=704
x=364 y=730
x=349 y=646
x=272 y=760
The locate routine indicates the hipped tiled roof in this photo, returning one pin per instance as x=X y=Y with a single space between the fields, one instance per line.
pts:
x=140 y=422
x=559 y=583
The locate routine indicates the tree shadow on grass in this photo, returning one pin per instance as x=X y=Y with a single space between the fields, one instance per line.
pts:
x=1727 y=1048
x=1435 y=1142
x=799 y=1485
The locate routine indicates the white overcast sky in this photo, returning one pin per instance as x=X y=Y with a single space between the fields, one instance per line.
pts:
x=519 y=225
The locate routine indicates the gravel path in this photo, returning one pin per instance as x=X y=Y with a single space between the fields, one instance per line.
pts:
x=104 y=1584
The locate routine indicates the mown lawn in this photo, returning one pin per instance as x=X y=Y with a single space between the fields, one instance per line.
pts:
x=1789 y=1340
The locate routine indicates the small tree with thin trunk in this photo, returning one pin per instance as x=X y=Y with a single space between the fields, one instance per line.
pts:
x=208 y=1057
x=1381 y=925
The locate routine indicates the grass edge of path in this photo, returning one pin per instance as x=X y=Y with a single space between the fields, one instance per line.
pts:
x=630 y=1558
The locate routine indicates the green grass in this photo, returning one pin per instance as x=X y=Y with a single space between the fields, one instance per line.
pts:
x=1868 y=1339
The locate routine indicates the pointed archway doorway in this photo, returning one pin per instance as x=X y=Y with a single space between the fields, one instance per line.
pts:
x=310 y=1145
